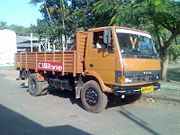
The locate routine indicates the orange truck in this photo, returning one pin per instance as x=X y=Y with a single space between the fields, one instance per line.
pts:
x=107 y=61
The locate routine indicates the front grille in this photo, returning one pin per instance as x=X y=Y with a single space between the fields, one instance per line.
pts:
x=139 y=76
x=145 y=78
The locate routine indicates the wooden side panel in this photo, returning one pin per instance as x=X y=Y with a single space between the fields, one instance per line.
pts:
x=17 y=57
x=41 y=57
x=81 y=38
x=30 y=60
x=58 y=57
x=49 y=57
x=23 y=60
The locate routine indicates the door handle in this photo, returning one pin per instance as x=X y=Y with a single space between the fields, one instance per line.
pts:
x=91 y=65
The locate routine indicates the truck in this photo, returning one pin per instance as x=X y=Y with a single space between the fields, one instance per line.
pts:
x=110 y=60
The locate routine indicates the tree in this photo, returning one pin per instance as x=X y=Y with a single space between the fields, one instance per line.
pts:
x=49 y=26
x=63 y=17
x=174 y=52
x=3 y=25
x=164 y=15
x=19 y=30
x=159 y=17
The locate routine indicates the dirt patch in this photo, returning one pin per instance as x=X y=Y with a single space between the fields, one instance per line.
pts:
x=9 y=74
x=161 y=97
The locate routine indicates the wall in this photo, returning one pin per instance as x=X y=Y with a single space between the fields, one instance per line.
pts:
x=7 y=47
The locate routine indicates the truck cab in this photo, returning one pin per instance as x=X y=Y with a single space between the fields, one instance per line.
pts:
x=124 y=60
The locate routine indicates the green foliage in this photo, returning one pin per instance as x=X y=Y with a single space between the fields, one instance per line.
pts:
x=64 y=17
x=51 y=30
x=121 y=13
x=174 y=51
x=159 y=17
x=3 y=25
x=19 y=30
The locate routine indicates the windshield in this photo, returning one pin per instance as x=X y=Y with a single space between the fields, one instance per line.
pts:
x=135 y=42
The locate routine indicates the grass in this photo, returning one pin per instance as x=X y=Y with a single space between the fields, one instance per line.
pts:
x=7 y=68
x=174 y=72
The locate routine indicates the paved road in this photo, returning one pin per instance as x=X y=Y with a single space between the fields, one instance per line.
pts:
x=58 y=113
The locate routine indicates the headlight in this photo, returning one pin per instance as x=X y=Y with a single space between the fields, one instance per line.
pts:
x=123 y=79
x=128 y=79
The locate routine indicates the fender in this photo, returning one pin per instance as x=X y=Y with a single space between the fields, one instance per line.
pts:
x=98 y=77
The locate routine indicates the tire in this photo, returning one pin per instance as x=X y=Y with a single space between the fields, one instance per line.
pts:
x=131 y=98
x=34 y=86
x=92 y=97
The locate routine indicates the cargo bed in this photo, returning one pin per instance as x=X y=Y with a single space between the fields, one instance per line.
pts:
x=56 y=61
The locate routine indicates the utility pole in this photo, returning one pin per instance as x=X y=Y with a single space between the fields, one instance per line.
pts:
x=31 y=42
x=39 y=47
x=63 y=24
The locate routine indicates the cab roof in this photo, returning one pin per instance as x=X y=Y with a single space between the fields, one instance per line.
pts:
x=114 y=27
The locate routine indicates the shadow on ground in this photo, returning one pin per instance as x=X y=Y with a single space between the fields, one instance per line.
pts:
x=114 y=101
x=12 y=123
x=137 y=121
x=65 y=94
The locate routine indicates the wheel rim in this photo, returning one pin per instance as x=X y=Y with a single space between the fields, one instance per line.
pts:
x=91 y=96
x=33 y=85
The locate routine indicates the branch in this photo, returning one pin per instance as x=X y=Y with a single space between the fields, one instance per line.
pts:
x=178 y=28
x=173 y=36
x=171 y=39
x=167 y=26
x=161 y=43
x=84 y=15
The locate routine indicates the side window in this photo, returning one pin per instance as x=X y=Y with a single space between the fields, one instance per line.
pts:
x=98 y=40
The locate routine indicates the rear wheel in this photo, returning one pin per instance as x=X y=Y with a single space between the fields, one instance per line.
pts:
x=35 y=87
x=92 y=97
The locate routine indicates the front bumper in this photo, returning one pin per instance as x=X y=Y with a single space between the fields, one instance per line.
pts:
x=129 y=90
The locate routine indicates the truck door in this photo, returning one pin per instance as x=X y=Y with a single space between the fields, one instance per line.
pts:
x=98 y=59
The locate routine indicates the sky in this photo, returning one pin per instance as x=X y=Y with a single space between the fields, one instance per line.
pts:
x=19 y=12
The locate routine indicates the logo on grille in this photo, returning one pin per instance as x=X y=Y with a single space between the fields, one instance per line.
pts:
x=147 y=73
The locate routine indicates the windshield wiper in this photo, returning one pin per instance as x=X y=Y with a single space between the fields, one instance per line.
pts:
x=137 y=51
x=145 y=53
x=153 y=53
x=142 y=54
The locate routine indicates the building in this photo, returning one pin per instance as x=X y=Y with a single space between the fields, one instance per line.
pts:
x=7 y=47
x=24 y=43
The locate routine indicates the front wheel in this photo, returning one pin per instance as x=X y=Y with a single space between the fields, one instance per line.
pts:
x=92 y=97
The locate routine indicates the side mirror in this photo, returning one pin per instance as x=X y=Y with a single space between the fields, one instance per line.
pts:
x=107 y=41
x=107 y=37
